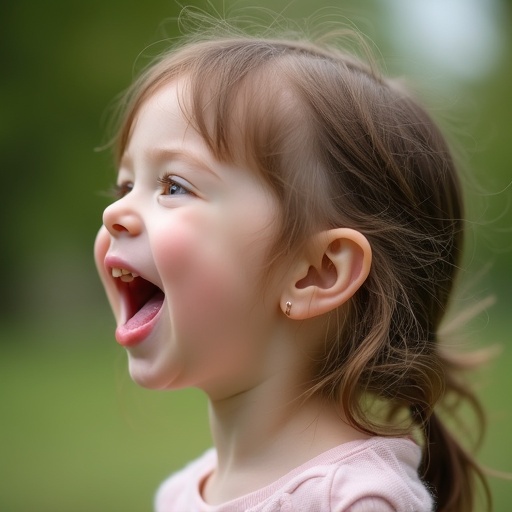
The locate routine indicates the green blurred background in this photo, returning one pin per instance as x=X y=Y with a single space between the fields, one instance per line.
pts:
x=76 y=434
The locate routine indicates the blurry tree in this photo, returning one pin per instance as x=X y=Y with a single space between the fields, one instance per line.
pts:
x=62 y=63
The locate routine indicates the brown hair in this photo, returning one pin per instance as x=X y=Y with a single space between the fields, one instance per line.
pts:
x=340 y=145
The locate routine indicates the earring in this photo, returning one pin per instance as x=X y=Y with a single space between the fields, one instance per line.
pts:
x=288 y=308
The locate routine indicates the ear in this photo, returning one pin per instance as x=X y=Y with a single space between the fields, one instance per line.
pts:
x=334 y=265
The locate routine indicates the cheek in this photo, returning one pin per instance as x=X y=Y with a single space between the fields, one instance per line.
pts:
x=197 y=265
x=206 y=277
x=101 y=247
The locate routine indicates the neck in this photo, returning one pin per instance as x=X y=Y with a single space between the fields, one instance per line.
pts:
x=262 y=434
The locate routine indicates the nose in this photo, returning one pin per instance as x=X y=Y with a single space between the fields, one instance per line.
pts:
x=120 y=218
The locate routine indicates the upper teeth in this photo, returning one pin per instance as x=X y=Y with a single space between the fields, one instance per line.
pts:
x=125 y=275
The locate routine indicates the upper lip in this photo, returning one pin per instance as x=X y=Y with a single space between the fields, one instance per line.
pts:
x=112 y=262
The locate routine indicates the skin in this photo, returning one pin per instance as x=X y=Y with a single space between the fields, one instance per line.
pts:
x=203 y=238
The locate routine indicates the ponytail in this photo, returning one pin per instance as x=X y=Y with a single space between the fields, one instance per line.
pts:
x=450 y=471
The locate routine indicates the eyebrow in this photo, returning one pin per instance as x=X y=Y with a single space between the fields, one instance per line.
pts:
x=158 y=155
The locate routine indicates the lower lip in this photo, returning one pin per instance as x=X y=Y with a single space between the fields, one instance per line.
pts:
x=130 y=337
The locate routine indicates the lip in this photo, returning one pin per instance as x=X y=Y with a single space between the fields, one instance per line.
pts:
x=116 y=262
x=129 y=332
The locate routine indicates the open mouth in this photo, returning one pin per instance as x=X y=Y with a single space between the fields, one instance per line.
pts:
x=142 y=300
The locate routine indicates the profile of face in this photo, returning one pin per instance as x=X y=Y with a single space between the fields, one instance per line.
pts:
x=181 y=255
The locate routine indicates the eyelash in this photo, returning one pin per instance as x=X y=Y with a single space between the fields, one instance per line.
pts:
x=118 y=191
x=168 y=182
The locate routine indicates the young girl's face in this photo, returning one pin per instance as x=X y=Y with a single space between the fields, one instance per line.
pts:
x=190 y=238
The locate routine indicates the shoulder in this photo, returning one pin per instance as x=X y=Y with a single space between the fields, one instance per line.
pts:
x=375 y=475
x=378 y=475
x=180 y=489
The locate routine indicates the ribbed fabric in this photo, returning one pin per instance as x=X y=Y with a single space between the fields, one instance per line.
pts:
x=375 y=475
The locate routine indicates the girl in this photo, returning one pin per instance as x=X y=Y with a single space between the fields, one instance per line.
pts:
x=286 y=237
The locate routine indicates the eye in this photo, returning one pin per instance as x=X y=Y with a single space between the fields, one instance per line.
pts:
x=121 y=189
x=170 y=187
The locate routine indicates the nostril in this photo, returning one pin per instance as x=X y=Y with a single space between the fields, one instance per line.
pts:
x=118 y=227
x=120 y=219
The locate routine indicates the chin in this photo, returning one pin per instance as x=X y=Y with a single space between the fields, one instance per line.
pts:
x=150 y=378
x=146 y=382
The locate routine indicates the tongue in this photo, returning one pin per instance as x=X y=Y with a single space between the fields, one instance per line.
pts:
x=146 y=313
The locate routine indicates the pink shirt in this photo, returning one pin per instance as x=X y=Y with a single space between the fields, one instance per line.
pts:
x=376 y=475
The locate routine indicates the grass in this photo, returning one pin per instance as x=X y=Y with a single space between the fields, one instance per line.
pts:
x=78 y=436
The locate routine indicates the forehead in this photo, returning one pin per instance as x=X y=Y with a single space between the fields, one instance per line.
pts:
x=213 y=117
x=166 y=104
x=161 y=119
x=251 y=121
x=166 y=129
